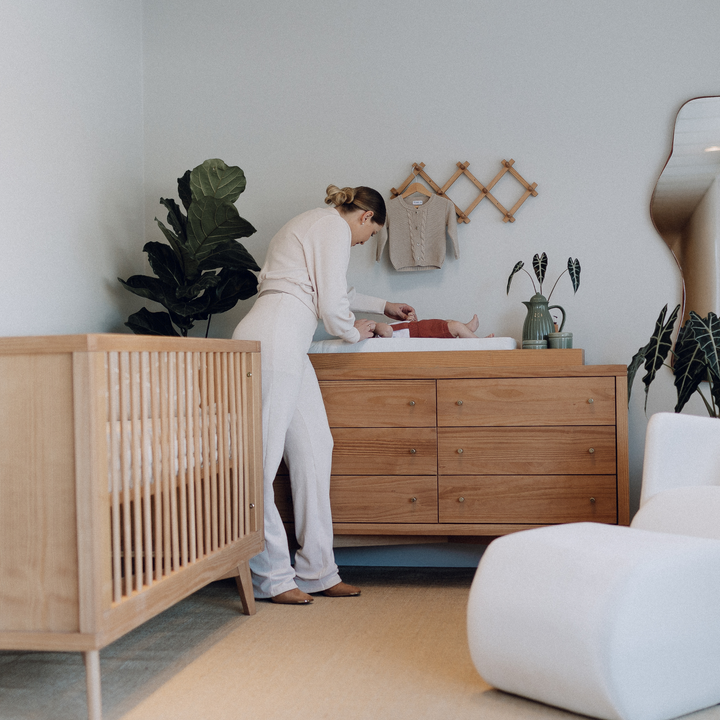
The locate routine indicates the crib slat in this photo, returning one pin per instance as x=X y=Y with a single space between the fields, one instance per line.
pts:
x=172 y=457
x=189 y=419
x=113 y=463
x=209 y=456
x=245 y=369
x=204 y=406
x=220 y=426
x=157 y=476
x=233 y=451
x=125 y=471
x=163 y=461
x=182 y=458
x=146 y=427
x=136 y=451
x=197 y=440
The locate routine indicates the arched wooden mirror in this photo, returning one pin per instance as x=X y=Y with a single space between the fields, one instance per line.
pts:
x=685 y=205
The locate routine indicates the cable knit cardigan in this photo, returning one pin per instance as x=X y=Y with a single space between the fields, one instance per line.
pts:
x=416 y=233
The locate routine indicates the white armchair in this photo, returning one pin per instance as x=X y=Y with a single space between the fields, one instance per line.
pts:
x=613 y=622
x=681 y=476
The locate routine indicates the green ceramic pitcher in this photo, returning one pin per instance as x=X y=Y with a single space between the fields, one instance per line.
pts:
x=539 y=322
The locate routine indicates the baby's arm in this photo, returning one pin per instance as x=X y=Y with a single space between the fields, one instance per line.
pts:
x=383 y=330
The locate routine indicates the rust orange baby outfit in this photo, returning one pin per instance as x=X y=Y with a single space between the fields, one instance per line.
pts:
x=425 y=328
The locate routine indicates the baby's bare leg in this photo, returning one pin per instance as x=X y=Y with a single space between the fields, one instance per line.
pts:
x=464 y=330
x=383 y=330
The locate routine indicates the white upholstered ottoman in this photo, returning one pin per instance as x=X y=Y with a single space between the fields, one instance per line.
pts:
x=607 y=621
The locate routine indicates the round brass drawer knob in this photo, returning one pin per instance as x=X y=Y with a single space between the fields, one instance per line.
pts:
x=461 y=499
x=591 y=450
x=252 y=505
x=414 y=499
x=249 y=374
x=460 y=451
x=590 y=401
x=459 y=402
x=413 y=451
x=592 y=500
x=411 y=403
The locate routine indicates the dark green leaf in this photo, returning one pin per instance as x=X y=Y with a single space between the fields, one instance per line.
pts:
x=214 y=179
x=518 y=266
x=145 y=322
x=637 y=360
x=689 y=368
x=573 y=267
x=207 y=280
x=165 y=263
x=230 y=255
x=707 y=334
x=234 y=285
x=181 y=250
x=539 y=266
x=189 y=307
x=659 y=347
x=184 y=192
x=211 y=224
x=177 y=220
x=149 y=288
x=186 y=323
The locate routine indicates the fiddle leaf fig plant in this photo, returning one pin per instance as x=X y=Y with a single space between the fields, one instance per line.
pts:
x=203 y=270
x=540 y=263
x=696 y=358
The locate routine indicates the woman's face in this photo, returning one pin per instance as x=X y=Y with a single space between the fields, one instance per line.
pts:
x=362 y=232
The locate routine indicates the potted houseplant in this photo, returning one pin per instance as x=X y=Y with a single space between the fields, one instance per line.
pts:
x=203 y=270
x=695 y=358
x=539 y=323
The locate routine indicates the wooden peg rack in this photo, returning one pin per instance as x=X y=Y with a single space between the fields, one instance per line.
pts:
x=464 y=216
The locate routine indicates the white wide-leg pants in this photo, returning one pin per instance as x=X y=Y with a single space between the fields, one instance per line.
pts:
x=295 y=426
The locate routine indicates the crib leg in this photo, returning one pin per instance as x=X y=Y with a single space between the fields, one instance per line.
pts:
x=243 y=581
x=92 y=677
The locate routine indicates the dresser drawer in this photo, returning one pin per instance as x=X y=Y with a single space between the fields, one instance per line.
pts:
x=379 y=451
x=526 y=451
x=376 y=499
x=526 y=401
x=528 y=499
x=383 y=403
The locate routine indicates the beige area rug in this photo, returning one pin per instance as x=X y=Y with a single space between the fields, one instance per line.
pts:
x=396 y=652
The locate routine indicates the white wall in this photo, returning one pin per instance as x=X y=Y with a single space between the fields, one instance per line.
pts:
x=582 y=95
x=71 y=163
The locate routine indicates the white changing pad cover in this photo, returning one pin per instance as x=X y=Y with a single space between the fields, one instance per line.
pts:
x=413 y=345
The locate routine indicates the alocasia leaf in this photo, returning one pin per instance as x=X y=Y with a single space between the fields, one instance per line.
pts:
x=540 y=266
x=689 y=367
x=707 y=334
x=518 y=266
x=573 y=267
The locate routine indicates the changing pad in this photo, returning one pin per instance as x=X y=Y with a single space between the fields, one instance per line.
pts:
x=413 y=345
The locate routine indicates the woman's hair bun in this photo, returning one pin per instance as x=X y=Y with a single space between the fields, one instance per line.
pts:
x=337 y=196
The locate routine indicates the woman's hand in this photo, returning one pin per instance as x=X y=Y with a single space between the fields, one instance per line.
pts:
x=366 y=328
x=400 y=311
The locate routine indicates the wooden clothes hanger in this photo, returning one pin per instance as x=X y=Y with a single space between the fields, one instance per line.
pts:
x=416 y=187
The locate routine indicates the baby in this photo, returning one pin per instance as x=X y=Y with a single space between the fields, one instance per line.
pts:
x=429 y=329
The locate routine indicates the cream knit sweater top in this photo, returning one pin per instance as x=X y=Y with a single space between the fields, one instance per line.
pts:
x=416 y=232
x=308 y=258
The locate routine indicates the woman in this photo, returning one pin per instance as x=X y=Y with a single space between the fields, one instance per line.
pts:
x=303 y=280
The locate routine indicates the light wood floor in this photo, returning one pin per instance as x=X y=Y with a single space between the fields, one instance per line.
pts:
x=398 y=652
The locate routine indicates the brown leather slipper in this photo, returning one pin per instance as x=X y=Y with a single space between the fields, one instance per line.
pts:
x=342 y=589
x=292 y=597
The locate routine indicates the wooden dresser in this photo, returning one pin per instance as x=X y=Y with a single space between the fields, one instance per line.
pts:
x=472 y=443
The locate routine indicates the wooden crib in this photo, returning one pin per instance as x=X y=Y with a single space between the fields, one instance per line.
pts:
x=130 y=476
